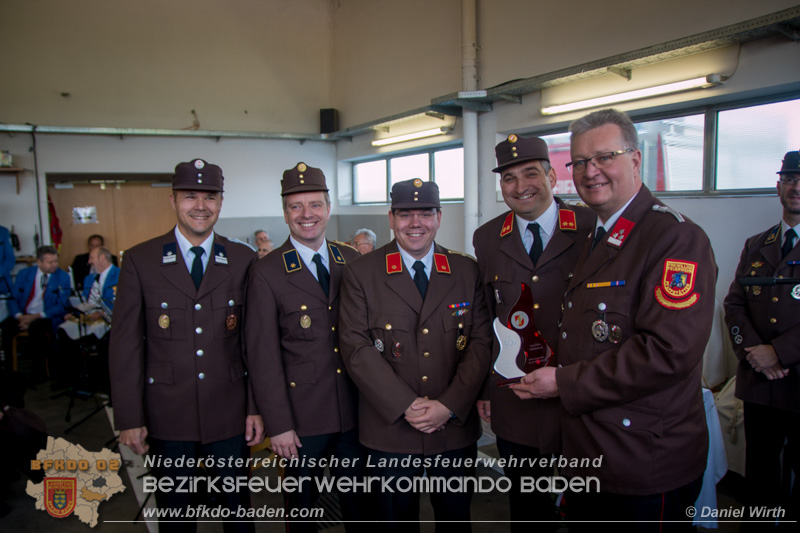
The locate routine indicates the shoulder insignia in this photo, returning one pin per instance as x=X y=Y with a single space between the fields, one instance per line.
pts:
x=336 y=254
x=773 y=235
x=220 y=256
x=566 y=220
x=620 y=232
x=169 y=253
x=291 y=260
x=508 y=225
x=394 y=263
x=667 y=209
x=458 y=252
x=344 y=244
x=676 y=290
x=442 y=264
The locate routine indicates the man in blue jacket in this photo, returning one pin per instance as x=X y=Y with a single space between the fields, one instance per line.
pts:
x=39 y=297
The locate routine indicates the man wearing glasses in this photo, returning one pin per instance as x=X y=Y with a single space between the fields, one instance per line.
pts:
x=637 y=316
x=416 y=340
x=764 y=324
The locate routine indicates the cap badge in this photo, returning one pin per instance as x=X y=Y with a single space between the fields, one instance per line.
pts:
x=512 y=138
x=417 y=183
x=302 y=167
x=198 y=164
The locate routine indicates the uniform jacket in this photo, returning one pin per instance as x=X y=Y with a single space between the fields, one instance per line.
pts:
x=298 y=376
x=7 y=260
x=56 y=295
x=766 y=315
x=81 y=268
x=108 y=292
x=176 y=351
x=398 y=348
x=638 y=403
x=504 y=266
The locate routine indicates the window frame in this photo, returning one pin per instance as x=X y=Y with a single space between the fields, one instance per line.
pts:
x=387 y=157
x=710 y=137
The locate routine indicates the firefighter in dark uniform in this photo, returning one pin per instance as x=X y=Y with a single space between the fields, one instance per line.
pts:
x=536 y=243
x=178 y=377
x=416 y=339
x=300 y=384
x=764 y=325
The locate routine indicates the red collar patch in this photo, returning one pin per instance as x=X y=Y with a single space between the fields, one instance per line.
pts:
x=566 y=220
x=442 y=264
x=508 y=225
x=394 y=263
x=620 y=232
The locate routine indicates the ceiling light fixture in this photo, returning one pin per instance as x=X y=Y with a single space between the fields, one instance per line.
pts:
x=412 y=136
x=711 y=80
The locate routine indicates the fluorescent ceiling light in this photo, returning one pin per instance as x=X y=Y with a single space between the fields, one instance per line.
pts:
x=411 y=136
x=669 y=88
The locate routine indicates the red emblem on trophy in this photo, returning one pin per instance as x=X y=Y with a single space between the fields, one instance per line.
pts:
x=522 y=347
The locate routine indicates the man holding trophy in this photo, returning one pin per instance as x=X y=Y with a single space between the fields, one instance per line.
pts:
x=526 y=257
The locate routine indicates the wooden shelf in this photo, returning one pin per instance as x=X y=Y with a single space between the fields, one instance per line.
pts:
x=12 y=170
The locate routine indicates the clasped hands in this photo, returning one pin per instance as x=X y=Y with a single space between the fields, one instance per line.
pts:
x=427 y=416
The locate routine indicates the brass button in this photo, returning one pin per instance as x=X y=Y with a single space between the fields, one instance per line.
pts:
x=388 y=327
x=338 y=370
x=752 y=272
x=330 y=308
x=336 y=349
x=495 y=277
x=292 y=384
x=303 y=307
x=780 y=277
x=461 y=324
x=426 y=354
x=535 y=278
x=201 y=375
x=424 y=379
x=333 y=328
x=774 y=298
x=536 y=306
x=424 y=331
x=198 y=307
x=773 y=320
x=426 y=397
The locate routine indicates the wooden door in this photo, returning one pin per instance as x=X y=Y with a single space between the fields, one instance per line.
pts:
x=126 y=216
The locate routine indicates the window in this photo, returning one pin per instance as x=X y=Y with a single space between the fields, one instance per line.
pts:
x=750 y=143
x=373 y=180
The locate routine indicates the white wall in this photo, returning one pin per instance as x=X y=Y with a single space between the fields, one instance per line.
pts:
x=252 y=65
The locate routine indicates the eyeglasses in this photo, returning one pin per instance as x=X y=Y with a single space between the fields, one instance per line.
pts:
x=789 y=179
x=599 y=161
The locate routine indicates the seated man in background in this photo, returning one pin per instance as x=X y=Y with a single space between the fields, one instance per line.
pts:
x=92 y=315
x=39 y=299
x=264 y=244
x=364 y=240
x=81 y=266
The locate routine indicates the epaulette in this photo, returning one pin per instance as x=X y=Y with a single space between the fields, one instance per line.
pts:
x=348 y=245
x=667 y=209
x=456 y=252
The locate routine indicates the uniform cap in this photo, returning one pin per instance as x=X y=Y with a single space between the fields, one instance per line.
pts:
x=415 y=194
x=516 y=149
x=791 y=163
x=197 y=175
x=302 y=178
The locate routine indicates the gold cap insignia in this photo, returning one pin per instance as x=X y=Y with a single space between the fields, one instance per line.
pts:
x=302 y=167
x=417 y=183
x=512 y=138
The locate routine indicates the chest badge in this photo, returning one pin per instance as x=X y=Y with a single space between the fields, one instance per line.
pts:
x=163 y=321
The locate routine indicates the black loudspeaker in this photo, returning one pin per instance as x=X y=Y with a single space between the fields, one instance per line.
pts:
x=328 y=120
